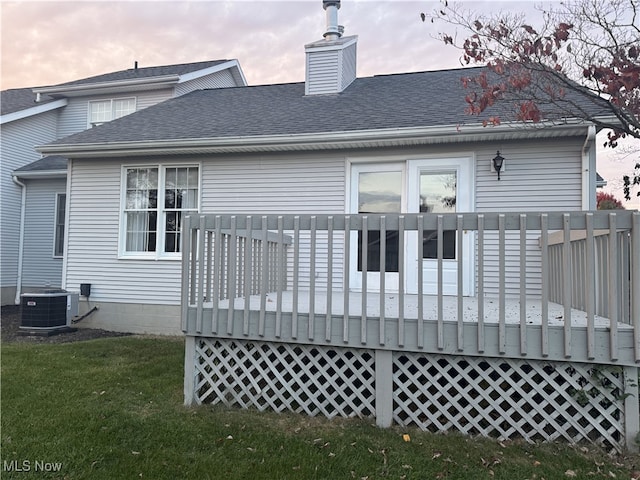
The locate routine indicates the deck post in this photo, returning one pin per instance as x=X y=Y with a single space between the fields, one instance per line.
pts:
x=189 y=370
x=631 y=408
x=384 y=388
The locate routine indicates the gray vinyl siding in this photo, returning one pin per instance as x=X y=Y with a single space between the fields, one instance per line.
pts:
x=220 y=79
x=538 y=176
x=291 y=184
x=74 y=118
x=18 y=139
x=40 y=268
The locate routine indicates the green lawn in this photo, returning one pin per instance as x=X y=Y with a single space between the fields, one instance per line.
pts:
x=112 y=409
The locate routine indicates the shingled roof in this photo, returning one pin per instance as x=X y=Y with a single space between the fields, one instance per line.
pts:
x=17 y=99
x=144 y=72
x=410 y=100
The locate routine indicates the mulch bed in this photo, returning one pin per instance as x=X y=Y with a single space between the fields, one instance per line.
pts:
x=10 y=330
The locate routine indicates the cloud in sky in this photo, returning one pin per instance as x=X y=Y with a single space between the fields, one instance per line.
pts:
x=51 y=42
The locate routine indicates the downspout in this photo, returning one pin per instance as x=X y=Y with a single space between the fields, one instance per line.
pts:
x=23 y=204
x=588 y=171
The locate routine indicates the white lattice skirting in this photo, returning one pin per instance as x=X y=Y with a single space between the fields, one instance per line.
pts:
x=502 y=398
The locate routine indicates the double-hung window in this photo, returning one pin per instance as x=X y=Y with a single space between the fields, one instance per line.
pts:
x=156 y=201
x=102 y=111
x=58 y=242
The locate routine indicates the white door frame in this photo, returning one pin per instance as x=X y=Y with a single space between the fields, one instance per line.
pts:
x=410 y=170
x=373 y=278
x=463 y=166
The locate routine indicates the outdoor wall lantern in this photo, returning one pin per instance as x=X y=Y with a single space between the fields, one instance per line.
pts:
x=497 y=163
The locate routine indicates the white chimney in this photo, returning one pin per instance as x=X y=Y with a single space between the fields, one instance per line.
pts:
x=330 y=62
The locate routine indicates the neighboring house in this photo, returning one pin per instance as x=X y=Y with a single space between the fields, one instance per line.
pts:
x=293 y=148
x=34 y=188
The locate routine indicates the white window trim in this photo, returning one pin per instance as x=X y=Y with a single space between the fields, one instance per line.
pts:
x=54 y=254
x=111 y=101
x=159 y=254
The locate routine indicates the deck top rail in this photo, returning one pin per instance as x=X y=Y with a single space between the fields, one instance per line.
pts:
x=317 y=253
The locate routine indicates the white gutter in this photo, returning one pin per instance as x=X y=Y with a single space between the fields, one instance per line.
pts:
x=21 y=238
x=41 y=174
x=310 y=141
x=88 y=87
x=28 y=112
x=588 y=171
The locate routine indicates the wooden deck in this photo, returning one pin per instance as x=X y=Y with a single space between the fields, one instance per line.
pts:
x=545 y=346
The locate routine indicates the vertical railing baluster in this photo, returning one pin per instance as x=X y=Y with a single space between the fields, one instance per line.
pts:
x=296 y=269
x=185 y=294
x=209 y=255
x=613 y=286
x=420 y=281
x=312 y=279
x=201 y=271
x=364 y=256
x=383 y=272
x=194 y=267
x=523 y=284
x=566 y=284
x=264 y=276
x=327 y=327
x=590 y=287
x=223 y=279
x=459 y=268
x=440 y=237
x=502 y=337
x=544 y=283
x=280 y=271
x=248 y=250
x=481 y=340
x=401 y=276
x=347 y=268
x=231 y=261
x=217 y=260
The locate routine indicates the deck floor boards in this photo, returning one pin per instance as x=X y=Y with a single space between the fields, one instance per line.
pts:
x=430 y=305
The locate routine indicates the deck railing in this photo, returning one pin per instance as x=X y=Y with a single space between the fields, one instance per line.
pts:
x=590 y=259
x=261 y=262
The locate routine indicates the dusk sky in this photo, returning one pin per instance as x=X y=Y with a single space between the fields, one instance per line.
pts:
x=51 y=42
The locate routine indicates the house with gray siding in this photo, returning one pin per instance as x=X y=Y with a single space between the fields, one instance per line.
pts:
x=35 y=188
x=333 y=144
x=361 y=247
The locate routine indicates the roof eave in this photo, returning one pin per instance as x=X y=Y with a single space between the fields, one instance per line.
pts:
x=40 y=174
x=109 y=87
x=35 y=110
x=232 y=65
x=396 y=137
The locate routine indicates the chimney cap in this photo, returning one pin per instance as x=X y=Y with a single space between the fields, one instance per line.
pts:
x=330 y=3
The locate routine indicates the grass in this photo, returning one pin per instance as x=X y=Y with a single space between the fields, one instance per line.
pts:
x=112 y=408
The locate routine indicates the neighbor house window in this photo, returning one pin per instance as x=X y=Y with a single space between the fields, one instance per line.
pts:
x=58 y=241
x=101 y=111
x=156 y=201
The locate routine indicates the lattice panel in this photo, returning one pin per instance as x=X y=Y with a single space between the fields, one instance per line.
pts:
x=510 y=398
x=279 y=377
